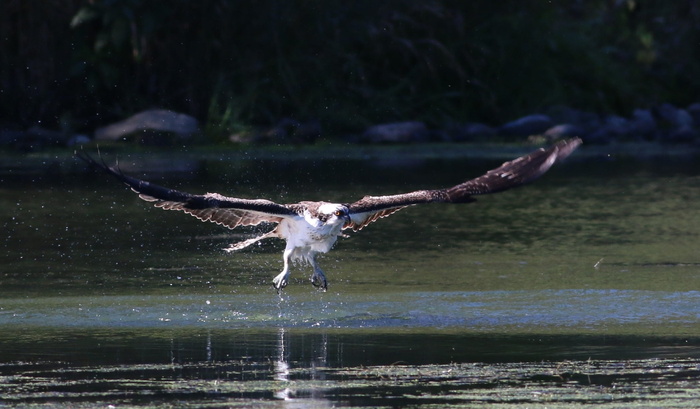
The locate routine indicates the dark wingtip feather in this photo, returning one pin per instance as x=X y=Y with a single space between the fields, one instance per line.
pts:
x=146 y=190
x=101 y=165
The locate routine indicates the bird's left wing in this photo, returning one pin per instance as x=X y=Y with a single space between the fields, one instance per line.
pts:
x=212 y=207
x=509 y=175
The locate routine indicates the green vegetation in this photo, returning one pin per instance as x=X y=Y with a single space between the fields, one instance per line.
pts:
x=79 y=64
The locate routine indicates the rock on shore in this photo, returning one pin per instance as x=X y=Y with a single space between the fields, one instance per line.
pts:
x=664 y=123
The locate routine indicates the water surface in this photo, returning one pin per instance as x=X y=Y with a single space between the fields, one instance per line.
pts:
x=583 y=288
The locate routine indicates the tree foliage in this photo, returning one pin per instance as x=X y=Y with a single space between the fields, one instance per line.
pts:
x=231 y=64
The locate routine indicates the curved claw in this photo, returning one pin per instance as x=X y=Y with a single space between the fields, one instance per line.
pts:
x=318 y=280
x=280 y=281
x=279 y=287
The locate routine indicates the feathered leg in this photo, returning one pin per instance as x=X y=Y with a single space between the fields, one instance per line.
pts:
x=282 y=278
x=318 y=279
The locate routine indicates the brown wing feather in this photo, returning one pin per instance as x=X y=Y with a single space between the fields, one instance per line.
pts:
x=213 y=207
x=230 y=218
x=357 y=223
x=511 y=174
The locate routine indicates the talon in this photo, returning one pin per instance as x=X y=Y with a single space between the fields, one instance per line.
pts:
x=319 y=282
x=279 y=283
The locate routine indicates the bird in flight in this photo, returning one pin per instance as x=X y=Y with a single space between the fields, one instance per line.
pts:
x=311 y=228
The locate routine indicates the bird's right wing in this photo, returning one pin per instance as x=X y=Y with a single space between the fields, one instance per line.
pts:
x=511 y=174
x=211 y=207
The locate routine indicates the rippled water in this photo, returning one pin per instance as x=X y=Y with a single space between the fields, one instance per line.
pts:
x=583 y=288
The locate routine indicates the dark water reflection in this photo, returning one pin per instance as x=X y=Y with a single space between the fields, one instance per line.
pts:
x=326 y=368
x=583 y=288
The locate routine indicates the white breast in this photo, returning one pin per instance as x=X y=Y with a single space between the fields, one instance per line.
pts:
x=309 y=233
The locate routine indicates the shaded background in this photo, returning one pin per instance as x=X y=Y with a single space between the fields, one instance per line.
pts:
x=582 y=287
x=76 y=65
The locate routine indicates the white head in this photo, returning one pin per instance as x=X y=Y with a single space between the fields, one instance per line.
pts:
x=333 y=213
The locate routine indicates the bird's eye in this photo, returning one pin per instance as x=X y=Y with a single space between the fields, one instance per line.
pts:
x=338 y=213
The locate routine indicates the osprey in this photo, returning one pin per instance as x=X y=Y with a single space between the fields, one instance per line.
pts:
x=310 y=228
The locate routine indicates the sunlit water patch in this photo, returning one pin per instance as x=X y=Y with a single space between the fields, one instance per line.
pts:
x=490 y=311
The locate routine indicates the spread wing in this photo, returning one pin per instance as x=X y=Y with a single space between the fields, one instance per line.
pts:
x=211 y=207
x=509 y=175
